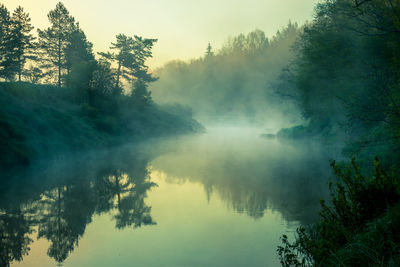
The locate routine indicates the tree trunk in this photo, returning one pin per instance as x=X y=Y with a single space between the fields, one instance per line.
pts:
x=20 y=68
x=59 y=62
x=118 y=74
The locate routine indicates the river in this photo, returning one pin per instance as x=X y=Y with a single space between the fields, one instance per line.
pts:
x=222 y=198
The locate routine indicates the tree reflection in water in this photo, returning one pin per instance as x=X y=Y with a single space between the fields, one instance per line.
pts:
x=62 y=212
x=261 y=176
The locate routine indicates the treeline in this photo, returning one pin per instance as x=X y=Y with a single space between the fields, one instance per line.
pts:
x=345 y=81
x=345 y=76
x=57 y=95
x=234 y=82
x=61 y=54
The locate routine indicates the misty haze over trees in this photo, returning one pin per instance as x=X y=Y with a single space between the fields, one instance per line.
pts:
x=334 y=81
x=233 y=83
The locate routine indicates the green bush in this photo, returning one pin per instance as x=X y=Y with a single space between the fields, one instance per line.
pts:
x=361 y=226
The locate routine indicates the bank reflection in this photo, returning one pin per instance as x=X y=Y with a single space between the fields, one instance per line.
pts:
x=249 y=174
x=252 y=175
x=61 y=209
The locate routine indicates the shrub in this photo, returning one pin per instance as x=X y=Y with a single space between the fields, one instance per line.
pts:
x=361 y=226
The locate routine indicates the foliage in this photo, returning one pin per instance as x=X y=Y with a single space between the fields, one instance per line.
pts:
x=130 y=57
x=59 y=210
x=38 y=121
x=89 y=108
x=346 y=74
x=7 y=68
x=22 y=39
x=359 y=228
x=53 y=41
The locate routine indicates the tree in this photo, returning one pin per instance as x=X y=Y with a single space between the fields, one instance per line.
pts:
x=103 y=79
x=14 y=235
x=6 y=48
x=78 y=49
x=54 y=40
x=33 y=74
x=256 y=41
x=123 y=56
x=22 y=38
x=209 y=52
x=130 y=57
x=67 y=211
x=140 y=95
x=80 y=65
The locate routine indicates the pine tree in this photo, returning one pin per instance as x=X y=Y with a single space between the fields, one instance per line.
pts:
x=130 y=57
x=140 y=95
x=6 y=48
x=209 y=52
x=54 y=40
x=22 y=39
x=78 y=49
x=80 y=64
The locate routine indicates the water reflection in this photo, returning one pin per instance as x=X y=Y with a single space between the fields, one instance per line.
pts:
x=15 y=228
x=63 y=207
x=251 y=176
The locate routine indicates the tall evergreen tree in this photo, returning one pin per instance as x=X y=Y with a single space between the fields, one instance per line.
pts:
x=130 y=57
x=54 y=40
x=6 y=47
x=78 y=49
x=22 y=38
x=80 y=65
x=209 y=52
x=122 y=56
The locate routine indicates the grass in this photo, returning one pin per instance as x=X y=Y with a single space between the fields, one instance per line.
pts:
x=39 y=121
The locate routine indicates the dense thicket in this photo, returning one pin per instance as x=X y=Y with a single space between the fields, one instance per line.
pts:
x=233 y=82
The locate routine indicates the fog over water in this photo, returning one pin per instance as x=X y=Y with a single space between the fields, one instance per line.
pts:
x=222 y=198
x=199 y=133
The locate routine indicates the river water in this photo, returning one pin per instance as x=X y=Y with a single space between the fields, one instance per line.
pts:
x=222 y=198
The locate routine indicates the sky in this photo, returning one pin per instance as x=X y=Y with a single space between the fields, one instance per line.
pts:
x=183 y=27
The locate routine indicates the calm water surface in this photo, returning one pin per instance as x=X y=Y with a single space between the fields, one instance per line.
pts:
x=218 y=199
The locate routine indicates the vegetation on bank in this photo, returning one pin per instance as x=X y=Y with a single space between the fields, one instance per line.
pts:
x=345 y=81
x=360 y=227
x=345 y=76
x=57 y=96
x=40 y=121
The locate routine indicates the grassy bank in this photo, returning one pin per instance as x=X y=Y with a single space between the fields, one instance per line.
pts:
x=39 y=121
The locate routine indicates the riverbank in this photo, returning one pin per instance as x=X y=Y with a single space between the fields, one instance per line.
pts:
x=39 y=121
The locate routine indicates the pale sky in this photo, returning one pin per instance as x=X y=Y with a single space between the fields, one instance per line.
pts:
x=183 y=27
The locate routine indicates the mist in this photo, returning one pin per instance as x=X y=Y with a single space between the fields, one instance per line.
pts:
x=136 y=187
x=233 y=84
x=277 y=146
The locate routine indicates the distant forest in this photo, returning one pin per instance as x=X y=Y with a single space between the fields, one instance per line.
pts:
x=234 y=83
